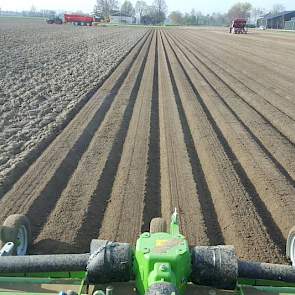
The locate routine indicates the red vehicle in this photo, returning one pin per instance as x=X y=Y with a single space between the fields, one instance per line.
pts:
x=238 y=26
x=79 y=20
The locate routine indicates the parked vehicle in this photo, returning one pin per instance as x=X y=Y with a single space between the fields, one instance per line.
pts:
x=79 y=20
x=54 y=20
x=238 y=26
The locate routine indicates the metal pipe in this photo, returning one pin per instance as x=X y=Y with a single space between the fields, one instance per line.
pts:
x=266 y=271
x=43 y=263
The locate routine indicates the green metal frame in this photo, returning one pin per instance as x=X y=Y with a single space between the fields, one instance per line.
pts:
x=50 y=278
x=158 y=257
x=162 y=257
x=265 y=286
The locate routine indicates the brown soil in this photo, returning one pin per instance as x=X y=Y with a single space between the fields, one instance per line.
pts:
x=197 y=120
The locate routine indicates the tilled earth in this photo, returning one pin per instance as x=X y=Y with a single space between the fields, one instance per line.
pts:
x=46 y=74
x=199 y=120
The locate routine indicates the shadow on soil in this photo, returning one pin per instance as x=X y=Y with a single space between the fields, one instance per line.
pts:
x=49 y=246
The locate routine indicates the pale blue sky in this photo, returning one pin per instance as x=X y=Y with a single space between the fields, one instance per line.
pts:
x=206 y=6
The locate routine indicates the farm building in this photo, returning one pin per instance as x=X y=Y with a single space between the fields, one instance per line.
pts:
x=119 y=18
x=290 y=25
x=276 y=21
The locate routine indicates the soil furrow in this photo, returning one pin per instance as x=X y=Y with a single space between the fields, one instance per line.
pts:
x=40 y=187
x=178 y=189
x=152 y=204
x=125 y=207
x=33 y=90
x=232 y=197
x=263 y=172
x=247 y=64
x=273 y=180
x=276 y=146
x=246 y=74
x=192 y=118
x=271 y=114
x=213 y=230
x=275 y=61
x=89 y=189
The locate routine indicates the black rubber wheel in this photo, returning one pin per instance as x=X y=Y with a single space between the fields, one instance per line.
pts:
x=158 y=225
x=290 y=247
x=16 y=228
x=162 y=289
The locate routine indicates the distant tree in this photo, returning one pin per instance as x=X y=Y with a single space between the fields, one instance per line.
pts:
x=218 y=19
x=256 y=13
x=151 y=15
x=104 y=8
x=161 y=10
x=33 y=11
x=140 y=8
x=176 y=18
x=277 y=8
x=199 y=18
x=127 y=8
x=193 y=17
x=240 y=10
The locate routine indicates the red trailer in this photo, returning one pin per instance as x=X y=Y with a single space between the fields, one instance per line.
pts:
x=238 y=26
x=79 y=20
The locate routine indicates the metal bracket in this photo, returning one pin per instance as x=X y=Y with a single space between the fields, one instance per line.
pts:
x=292 y=252
x=7 y=249
x=109 y=291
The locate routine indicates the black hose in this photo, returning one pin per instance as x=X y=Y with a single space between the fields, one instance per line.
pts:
x=219 y=267
x=266 y=271
x=43 y=263
x=107 y=262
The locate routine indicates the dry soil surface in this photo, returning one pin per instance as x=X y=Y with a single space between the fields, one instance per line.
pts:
x=199 y=120
x=47 y=72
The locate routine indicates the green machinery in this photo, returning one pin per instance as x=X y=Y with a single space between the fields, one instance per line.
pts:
x=161 y=264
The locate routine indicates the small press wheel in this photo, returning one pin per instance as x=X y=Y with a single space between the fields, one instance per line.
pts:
x=290 y=248
x=158 y=225
x=163 y=288
x=16 y=228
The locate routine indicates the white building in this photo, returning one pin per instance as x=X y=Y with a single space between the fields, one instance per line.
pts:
x=118 y=18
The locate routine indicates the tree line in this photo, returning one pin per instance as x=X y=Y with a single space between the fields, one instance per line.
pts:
x=156 y=13
x=238 y=10
x=147 y=14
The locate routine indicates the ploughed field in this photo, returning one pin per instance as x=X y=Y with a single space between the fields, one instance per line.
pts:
x=46 y=75
x=195 y=119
